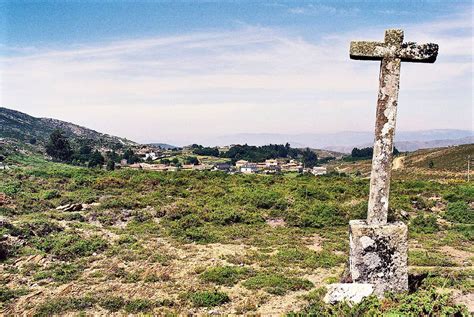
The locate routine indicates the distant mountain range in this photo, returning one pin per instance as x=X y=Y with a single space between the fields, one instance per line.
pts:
x=19 y=126
x=346 y=141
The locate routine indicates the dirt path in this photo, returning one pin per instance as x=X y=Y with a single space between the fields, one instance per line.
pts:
x=398 y=162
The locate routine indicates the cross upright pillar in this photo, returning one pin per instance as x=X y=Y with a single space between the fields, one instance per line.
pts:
x=378 y=250
x=389 y=79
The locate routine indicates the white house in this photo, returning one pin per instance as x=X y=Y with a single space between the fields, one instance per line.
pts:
x=241 y=163
x=319 y=170
x=271 y=162
x=249 y=168
x=151 y=155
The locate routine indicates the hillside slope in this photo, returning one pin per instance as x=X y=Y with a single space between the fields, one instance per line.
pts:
x=22 y=127
x=453 y=158
x=446 y=161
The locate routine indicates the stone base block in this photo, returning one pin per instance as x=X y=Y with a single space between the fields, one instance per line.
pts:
x=378 y=255
x=349 y=292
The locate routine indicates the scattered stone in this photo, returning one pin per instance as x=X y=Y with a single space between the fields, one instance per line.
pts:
x=349 y=292
x=70 y=207
x=89 y=206
x=276 y=222
x=404 y=214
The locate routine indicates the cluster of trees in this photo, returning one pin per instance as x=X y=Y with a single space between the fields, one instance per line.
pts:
x=175 y=161
x=259 y=153
x=207 y=151
x=367 y=152
x=60 y=149
x=272 y=151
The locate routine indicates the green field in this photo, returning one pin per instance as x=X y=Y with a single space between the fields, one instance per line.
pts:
x=194 y=242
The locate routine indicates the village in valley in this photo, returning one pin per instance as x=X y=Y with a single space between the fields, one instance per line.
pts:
x=156 y=158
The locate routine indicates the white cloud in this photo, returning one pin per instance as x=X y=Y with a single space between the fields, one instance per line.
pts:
x=182 y=88
x=322 y=9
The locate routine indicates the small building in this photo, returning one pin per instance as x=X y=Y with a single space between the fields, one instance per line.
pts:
x=224 y=167
x=241 y=163
x=249 y=168
x=152 y=155
x=293 y=166
x=272 y=169
x=123 y=162
x=319 y=170
x=202 y=167
x=271 y=162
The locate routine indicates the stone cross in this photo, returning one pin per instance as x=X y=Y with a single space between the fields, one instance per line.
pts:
x=391 y=52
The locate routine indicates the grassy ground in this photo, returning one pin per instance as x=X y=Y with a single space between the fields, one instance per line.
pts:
x=205 y=241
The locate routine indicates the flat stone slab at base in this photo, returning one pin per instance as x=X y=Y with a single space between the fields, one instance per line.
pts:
x=349 y=292
x=378 y=255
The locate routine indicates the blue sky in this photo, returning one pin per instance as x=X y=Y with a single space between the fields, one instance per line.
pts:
x=188 y=71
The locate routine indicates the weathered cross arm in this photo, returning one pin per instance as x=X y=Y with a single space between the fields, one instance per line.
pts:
x=418 y=53
x=393 y=47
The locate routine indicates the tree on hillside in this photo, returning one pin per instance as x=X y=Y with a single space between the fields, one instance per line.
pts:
x=206 y=151
x=367 y=152
x=191 y=160
x=110 y=165
x=112 y=156
x=131 y=157
x=58 y=147
x=96 y=159
x=310 y=159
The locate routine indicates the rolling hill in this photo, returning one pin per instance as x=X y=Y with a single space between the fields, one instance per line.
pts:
x=19 y=126
x=445 y=161
x=453 y=158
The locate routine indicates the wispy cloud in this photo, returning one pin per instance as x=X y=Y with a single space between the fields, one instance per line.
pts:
x=182 y=88
x=322 y=9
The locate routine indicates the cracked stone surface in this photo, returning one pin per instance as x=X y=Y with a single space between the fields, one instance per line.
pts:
x=378 y=255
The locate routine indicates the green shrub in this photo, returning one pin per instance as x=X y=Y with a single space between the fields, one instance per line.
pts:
x=10 y=188
x=209 y=298
x=50 y=194
x=318 y=216
x=276 y=283
x=224 y=275
x=7 y=294
x=112 y=303
x=64 y=304
x=39 y=228
x=67 y=245
x=428 y=258
x=61 y=273
x=424 y=224
x=459 y=212
x=138 y=306
x=467 y=231
x=420 y=303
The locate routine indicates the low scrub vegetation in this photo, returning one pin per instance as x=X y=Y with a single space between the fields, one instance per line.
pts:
x=208 y=298
x=206 y=239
